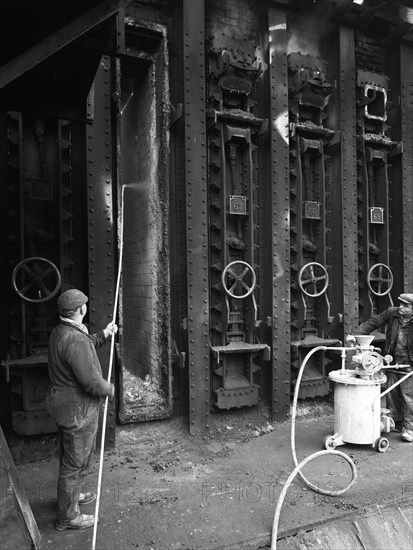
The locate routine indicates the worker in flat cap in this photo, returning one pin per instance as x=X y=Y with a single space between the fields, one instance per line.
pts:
x=399 y=344
x=73 y=401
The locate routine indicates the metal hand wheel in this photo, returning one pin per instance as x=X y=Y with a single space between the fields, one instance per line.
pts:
x=312 y=274
x=40 y=279
x=372 y=362
x=238 y=275
x=375 y=275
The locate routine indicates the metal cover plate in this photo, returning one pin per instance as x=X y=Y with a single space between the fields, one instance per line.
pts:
x=237 y=204
x=312 y=210
x=41 y=189
x=376 y=214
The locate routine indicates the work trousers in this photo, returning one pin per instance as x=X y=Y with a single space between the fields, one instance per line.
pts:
x=76 y=415
x=400 y=399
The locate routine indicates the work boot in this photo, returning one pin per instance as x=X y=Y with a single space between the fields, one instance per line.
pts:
x=87 y=498
x=83 y=521
x=407 y=435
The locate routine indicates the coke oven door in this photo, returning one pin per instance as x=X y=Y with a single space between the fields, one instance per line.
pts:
x=145 y=338
x=39 y=157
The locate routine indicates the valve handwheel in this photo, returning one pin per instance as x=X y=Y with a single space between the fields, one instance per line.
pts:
x=238 y=275
x=312 y=274
x=40 y=279
x=372 y=362
x=377 y=274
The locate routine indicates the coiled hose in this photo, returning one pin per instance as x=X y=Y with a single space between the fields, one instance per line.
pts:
x=298 y=467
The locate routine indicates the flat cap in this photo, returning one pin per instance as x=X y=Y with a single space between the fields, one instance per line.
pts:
x=71 y=300
x=407 y=298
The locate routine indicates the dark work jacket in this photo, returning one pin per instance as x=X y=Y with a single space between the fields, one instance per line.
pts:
x=392 y=318
x=75 y=373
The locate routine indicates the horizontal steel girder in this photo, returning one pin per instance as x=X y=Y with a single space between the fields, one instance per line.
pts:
x=58 y=40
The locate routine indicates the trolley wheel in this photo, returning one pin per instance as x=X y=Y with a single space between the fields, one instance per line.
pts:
x=330 y=443
x=381 y=444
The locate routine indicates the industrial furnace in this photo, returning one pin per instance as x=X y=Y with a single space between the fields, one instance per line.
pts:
x=264 y=149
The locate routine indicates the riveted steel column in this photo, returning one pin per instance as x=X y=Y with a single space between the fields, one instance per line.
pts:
x=178 y=222
x=406 y=110
x=280 y=214
x=102 y=278
x=347 y=87
x=196 y=210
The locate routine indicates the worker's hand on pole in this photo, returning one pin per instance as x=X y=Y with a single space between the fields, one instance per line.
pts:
x=350 y=339
x=112 y=328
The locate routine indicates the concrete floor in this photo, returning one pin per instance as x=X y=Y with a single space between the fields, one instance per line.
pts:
x=165 y=490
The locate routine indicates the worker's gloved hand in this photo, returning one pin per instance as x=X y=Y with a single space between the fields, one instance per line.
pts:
x=350 y=339
x=112 y=328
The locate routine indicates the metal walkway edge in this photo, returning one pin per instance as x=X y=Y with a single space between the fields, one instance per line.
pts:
x=383 y=528
x=388 y=527
x=18 y=528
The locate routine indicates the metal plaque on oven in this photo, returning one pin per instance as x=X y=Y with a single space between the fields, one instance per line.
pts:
x=238 y=204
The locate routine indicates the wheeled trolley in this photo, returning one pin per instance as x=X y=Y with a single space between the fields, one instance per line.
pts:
x=357 y=411
x=358 y=416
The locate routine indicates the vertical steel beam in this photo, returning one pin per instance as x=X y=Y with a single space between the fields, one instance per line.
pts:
x=196 y=210
x=101 y=230
x=280 y=213
x=347 y=91
x=406 y=114
x=64 y=162
x=22 y=222
x=177 y=244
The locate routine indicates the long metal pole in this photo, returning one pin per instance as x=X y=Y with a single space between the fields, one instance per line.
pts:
x=393 y=385
x=105 y=412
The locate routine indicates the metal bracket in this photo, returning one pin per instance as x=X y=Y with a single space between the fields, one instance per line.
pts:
x=178 y=357
x=175 y=114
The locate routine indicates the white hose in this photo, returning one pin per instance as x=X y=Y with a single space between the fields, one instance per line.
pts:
x=298 y=467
